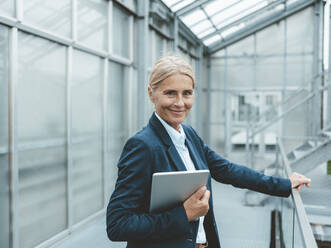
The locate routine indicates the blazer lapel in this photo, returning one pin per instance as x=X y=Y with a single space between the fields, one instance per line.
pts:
x=199 y=165
x=176 y=159
x=164 y=136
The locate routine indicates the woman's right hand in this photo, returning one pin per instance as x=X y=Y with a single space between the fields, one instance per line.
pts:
x=197 y=205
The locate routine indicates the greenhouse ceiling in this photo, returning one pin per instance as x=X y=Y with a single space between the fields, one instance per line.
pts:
x=216 y=21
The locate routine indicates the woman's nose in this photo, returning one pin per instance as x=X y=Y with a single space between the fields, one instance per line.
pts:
x=179 y=101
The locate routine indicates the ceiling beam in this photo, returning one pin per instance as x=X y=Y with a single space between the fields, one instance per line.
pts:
x=257 y=26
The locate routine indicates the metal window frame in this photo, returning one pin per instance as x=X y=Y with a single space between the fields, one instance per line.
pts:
x=13 y=139
x=69 y=138
x=105 y=131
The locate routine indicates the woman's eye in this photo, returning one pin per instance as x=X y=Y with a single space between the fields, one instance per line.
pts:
x=187 y=93
x=171 y=93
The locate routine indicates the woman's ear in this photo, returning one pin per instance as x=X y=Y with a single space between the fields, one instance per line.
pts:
x=150 y=94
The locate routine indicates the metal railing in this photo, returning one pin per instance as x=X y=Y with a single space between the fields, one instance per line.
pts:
x=300 y=216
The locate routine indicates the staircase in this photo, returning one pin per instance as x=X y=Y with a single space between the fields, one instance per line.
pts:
x=302 y=160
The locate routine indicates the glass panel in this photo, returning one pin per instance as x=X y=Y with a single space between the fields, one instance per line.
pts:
x=120 y=34
x=206 y=32
x=131 y=4
x=41 y=97
x=4 y=201
x=42 y=194
x=217 y=118
x=202 y=26
x=233 y=11
x=115 y=115
x=87 y=135
x=243 y=48
x=159 y=47
x=215 y=6
x=288 y=218
x=270 y=56
x=7 y=7
x=181 y=4
x=300 y=35
x=42 y=90
x=54 y=16
x=92 y=23
x=194 y=17
x=4 y=168
x=212 y=40
x=246 y=76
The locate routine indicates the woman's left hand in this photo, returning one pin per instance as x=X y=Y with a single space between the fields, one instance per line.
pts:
x=298 y=180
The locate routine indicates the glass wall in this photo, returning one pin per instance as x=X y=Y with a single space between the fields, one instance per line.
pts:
x=299 y=72
x=116 y=121
x=4 y=162
x=86 y=88
x=92 y=23
x=120 y=37
x=7 y=7
x=54 y=16
x=272 y=63
x=41 y=95
x=75 y=105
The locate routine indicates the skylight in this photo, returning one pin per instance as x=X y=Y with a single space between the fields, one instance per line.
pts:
x=213 y=20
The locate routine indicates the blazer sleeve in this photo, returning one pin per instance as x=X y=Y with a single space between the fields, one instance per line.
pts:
x=241 y=176
x=127 y=218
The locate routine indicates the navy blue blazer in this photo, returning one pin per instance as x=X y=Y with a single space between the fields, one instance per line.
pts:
x=151 y=150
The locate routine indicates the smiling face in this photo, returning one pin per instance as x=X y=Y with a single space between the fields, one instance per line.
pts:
x=173 y=99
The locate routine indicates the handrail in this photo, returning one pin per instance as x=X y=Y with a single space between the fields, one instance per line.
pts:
x=307 y=233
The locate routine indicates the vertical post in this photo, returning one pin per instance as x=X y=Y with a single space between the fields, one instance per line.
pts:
x=175 y=33
x=131 y=43
x=110 y=27
x=152 y=45
x=74 y=20
x=262 y=103
x=283 y=95
x=326 y=59
x=255 y=64
x=13 y=139
x=247 y=136
x=105 y=132
x=69 y=137
x=19 y=10
x=142 y=59
x=208 y=116
x=227 y=107
x=318 y=66
x=199 y=74
x=105 y=135
x=131 y=105
x=130 y=102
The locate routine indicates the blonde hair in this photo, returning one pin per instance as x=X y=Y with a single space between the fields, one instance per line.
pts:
x=168 y=66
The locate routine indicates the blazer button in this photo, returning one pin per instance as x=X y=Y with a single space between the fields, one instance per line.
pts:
x=190 y=240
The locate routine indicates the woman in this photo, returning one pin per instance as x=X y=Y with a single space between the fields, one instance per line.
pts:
x=165 y=144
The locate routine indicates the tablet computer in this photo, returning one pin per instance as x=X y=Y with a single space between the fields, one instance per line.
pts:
x=172 y=188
